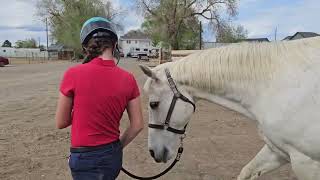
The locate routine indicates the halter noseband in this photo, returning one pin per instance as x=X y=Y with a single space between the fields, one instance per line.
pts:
x=176 y=95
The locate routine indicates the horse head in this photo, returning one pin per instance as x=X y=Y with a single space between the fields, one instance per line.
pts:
x=170 y=109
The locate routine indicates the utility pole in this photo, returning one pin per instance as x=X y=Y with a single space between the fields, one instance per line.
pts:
x=275 y=34
x=39 y=42
x=200 y=44
x=47 y=33
x=47 y=38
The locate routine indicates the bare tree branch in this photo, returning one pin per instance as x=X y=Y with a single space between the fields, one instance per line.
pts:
x=148 y=8
x=194 y=1
x=171 y=17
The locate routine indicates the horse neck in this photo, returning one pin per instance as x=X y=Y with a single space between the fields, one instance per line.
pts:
x=238 y=76
x=236 y=102
x=233 y=87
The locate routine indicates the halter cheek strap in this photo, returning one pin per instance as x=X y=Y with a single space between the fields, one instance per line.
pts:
x=176 y=95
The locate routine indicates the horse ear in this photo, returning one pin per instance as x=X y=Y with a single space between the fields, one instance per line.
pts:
x=147 y=71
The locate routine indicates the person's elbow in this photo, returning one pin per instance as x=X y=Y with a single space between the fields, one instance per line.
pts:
x=138 y=127
x=62 y=122
x=60 y=126
x=64 y=111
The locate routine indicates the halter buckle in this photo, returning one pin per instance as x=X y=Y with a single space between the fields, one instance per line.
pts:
x=181 y=139
x=166 y=125
x=180 y=150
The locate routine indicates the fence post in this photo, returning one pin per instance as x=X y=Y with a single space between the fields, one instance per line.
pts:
x=160 y=55
x=32 y=57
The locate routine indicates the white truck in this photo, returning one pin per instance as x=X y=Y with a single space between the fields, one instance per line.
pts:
x=140 y=53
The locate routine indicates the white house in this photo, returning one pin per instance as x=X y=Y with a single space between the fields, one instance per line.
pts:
x=134 y=40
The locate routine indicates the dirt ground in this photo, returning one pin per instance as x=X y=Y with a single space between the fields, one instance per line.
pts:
x=219 y=142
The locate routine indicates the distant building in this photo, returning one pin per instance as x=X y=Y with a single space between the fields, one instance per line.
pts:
x=134 y=40
x=61 y=52
x=255 y=40
x=11 y=52
x=301 y=35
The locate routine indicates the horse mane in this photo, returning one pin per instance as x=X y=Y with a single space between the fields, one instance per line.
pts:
x=240 y=65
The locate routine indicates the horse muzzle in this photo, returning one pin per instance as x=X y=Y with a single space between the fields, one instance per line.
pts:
x=161 y=155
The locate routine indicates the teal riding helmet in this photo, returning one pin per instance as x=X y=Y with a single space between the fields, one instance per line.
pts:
x=94 y=25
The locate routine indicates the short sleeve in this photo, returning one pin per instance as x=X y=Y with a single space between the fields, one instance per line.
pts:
x=135 y=92
x=67 y=84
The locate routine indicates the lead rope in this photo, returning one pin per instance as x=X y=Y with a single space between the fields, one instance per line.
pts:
x=179 y=153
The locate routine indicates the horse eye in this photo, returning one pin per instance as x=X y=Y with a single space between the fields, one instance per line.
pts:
x=154 y=105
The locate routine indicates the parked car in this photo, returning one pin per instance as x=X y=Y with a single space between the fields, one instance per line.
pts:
x=136 y=52
x=3 y=61
x=143 y=57
x=121 y=54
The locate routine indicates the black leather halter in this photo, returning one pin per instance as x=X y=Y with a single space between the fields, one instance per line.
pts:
x=165 y=126
x=176 y=95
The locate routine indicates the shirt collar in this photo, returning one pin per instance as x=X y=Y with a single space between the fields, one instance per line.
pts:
x=102 y=62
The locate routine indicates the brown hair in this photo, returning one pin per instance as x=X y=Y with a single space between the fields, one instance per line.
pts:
x=96 y=46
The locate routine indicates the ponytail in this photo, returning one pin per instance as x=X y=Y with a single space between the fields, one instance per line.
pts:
x=96 y=46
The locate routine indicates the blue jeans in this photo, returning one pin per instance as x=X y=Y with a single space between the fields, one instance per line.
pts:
x=102 y=164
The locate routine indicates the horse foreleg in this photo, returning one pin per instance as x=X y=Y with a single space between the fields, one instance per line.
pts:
x=265 y=161
x=304 y=167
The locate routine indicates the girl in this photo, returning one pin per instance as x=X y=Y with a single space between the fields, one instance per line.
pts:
x=93 y=97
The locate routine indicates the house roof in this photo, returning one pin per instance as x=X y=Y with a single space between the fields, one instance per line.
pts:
x=55 y=47
x=58 y=47
x=287 y=38
x=256 y=40
x=135 y=35
x=305 y=34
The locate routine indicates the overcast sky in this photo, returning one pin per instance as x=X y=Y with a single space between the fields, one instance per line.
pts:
x=259 y=17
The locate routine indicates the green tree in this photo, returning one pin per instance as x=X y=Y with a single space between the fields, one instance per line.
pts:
x=175 y=20
x=28 y=43
x=7 y=43
x=229 y=33
x=187 y=38
x=67 y=16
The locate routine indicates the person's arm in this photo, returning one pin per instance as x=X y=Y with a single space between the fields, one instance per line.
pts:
x=136 y=121
x=64 y=110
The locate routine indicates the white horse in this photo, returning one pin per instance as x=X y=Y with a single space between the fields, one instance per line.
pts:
x=275 y=84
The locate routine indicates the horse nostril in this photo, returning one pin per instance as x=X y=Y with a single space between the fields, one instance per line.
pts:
x=152 y=153
x=165 y=153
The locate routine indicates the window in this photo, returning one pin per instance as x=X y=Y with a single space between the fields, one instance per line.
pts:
x=136 y=42
x=145 y=49
x=4 y=50
x=128 y=42
x=137 y=49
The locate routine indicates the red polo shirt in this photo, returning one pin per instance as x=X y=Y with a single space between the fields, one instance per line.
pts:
x=101 y=91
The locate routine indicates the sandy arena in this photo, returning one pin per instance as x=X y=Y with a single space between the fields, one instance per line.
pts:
x=219 y=142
